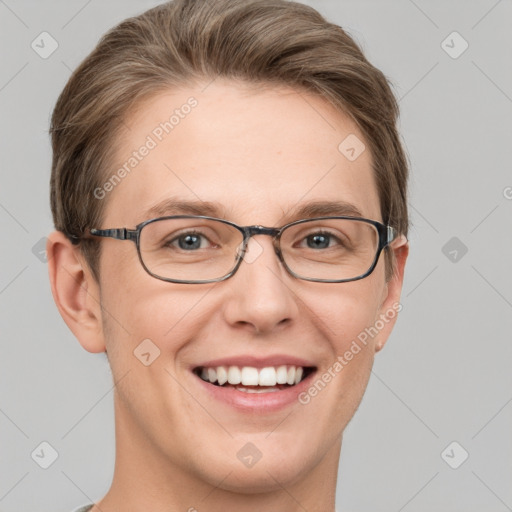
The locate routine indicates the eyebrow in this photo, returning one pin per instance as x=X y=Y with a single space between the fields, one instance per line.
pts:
x=326 y=208
x=175 y=206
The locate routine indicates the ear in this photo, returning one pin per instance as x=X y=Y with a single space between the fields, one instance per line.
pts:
x=390 y=306
x=75 y=292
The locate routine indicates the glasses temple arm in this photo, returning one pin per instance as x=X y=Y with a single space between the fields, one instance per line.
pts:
x=391 y=234
x=118 y=234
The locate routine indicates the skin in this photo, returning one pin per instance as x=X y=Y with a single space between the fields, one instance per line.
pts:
x=259 y=153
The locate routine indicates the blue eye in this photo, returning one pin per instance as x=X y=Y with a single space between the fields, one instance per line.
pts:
x=321 y=240
x=189 y=241
x=318 y=241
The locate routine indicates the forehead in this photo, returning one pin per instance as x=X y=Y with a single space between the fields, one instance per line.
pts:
x=251 y=155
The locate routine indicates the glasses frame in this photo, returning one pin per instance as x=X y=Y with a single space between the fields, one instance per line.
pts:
x=387 y=234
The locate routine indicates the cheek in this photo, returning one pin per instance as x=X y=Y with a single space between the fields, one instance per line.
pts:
x=167 y=319
x=137 y=305
x=143 y=314
x=347 y=310
x=345 y=314
x=145 y=329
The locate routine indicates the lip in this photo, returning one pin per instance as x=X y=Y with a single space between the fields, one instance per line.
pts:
x=255 y=402
x=256 y=361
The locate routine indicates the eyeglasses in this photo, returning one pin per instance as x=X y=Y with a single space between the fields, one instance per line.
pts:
x=198 y=249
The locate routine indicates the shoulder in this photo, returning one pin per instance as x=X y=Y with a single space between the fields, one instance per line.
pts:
x=83 y=508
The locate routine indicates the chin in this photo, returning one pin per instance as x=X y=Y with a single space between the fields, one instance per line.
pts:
x=277 y=468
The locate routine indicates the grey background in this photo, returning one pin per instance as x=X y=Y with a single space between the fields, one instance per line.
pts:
x=445 y=374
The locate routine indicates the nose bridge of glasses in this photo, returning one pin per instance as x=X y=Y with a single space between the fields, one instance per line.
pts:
x=260 y=230
x=250 y=231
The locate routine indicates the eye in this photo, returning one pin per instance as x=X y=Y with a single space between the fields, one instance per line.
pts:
x=321 y=240
x=318 y=241
x=189 y=241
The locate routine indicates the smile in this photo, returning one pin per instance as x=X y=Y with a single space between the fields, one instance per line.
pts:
x=248 y=389
x=250 y=379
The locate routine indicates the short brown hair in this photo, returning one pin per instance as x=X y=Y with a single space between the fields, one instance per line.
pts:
x=183 y=42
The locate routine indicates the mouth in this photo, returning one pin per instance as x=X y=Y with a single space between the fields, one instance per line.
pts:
x=251 y=379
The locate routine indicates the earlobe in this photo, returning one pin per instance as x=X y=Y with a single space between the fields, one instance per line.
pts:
x=391 y=305
x=75 y=292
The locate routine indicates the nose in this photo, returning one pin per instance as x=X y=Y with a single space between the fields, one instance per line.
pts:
x=259 y=295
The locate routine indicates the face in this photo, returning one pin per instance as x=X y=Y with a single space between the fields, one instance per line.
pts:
x=257 y=156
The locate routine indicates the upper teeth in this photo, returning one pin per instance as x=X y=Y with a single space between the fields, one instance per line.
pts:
x=250 y=376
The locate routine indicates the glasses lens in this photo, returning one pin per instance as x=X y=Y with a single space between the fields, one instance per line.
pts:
x=332 y=249
x=189 y=249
